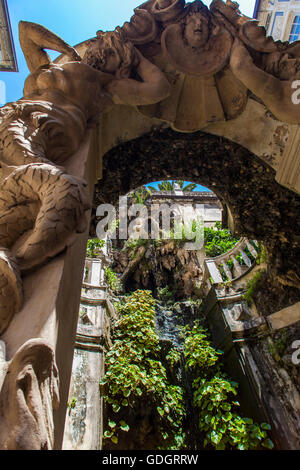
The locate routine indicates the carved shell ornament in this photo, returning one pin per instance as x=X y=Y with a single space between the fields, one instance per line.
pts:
x=186 y=57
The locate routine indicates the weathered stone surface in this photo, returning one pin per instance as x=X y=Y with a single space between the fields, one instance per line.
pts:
x=28 y=397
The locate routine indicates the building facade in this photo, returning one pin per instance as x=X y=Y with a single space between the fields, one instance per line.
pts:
x=8 y=60
x=281 y=18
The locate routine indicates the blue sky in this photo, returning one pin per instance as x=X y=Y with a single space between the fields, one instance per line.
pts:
x=73 y=20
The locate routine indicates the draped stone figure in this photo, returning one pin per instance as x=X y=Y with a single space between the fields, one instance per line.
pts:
x=42 y=206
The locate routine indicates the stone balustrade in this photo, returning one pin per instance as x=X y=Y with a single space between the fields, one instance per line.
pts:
x=232 y=265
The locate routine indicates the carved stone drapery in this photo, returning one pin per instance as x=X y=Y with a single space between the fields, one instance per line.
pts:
x=28 y=397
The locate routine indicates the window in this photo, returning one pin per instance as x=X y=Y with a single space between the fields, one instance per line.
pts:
x=277 y=25
x=295 y=31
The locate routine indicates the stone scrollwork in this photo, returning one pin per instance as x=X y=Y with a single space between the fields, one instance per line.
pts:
x=28 y=397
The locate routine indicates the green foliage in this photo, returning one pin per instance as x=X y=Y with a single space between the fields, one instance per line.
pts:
x=262 y=255
x=252 y=287
x=218 y=241
x=186 y=232
x=94 y=246
x=135 y=373
x=169 y=186
x=112 y=280
x=215 y=398
x=165 y=294
x=173 y=358
x=132 y=244
x=278 y=346
x=71 y=405
x=141 y=195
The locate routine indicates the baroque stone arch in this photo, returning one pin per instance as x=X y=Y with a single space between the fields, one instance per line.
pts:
x=174 y=65
x=244 y=184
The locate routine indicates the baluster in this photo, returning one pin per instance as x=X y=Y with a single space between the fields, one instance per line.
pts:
x=251 y=249
x=96 y=272
x=246 y=259
x=214 y=272
x=237 y=268
x=227 y=271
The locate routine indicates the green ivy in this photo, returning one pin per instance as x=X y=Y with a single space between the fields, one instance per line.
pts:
x=134 y=372
x=252 y=287
x=215 y=398
x=112 y=280
x=165 y=294
x=218 y=240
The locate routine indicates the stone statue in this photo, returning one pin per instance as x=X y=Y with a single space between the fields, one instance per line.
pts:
x=193 y=45
x=275 y=91
x=28 y=397
x=42 y=206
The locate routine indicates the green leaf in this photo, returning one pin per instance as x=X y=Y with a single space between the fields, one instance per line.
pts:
x=111 y=424
x=115 y=440
x=241 y=447
x=124 y=426
x=268 y=444
x=265 y=426
x=160 y=410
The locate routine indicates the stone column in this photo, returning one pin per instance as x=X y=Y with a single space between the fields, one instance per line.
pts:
x=51 y=302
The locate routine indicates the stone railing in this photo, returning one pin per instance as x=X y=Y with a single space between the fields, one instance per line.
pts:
x=232 y=265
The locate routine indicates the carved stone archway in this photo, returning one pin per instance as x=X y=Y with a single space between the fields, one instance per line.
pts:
x=245 y=185
x=174 y=65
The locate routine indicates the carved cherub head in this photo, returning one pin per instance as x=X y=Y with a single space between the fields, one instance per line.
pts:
x=111 y=53
x=197 y=25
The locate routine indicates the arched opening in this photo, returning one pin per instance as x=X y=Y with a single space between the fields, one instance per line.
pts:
x=257 y=206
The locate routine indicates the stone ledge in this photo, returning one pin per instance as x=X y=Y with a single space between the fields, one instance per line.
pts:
x=286 y=317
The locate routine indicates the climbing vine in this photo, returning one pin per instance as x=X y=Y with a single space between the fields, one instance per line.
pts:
x=215 y=398
x=136 y=378
x=112 y=280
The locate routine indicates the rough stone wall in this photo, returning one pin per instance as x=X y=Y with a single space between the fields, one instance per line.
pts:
x=83 y=429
